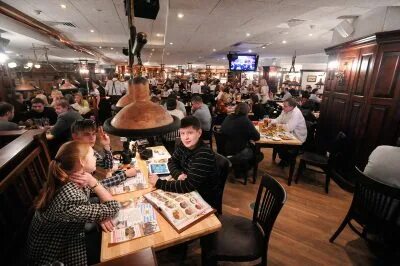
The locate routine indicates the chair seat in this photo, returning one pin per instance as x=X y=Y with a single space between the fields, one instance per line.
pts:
x=238 y=240
x=314 y=158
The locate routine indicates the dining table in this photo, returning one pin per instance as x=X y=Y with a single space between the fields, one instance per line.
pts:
x=166 y=237
x=276 y=143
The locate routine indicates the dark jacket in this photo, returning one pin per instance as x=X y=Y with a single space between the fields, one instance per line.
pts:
x=48 y=113
x=239 y=130
x=62 y=128
x=258 y=111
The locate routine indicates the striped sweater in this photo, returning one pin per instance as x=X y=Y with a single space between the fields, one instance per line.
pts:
x=200 y=167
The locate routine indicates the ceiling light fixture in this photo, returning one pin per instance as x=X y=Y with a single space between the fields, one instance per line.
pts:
x=12 y=65
x=180 y=15
x=250 y=51
x=310 y=34
x=29 y=64
x=153 y=50
x=100 y=47
x=284 y=41
x=159 y=35
x=112 y=48
x=171 y=43
x=214 y=50
x=91 y=31
x=248 y=34
x=263 y=46
x=37 y=65
x=63 y=6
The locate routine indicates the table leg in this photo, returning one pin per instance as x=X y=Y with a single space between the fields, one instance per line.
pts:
x=255 y=167
x=208 y=257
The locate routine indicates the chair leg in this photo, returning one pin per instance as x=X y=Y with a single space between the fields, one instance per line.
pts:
x=302 y=165
x=340 y=229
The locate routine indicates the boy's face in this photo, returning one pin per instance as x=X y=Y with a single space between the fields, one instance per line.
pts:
x=190 y=136
x=88 y=137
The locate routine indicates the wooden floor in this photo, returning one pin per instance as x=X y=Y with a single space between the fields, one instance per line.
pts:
x=301 y=232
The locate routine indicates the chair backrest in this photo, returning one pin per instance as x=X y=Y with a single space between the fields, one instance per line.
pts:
x=219 y=140
x=270 y=198
x=223 y=165
x=376 y=204
x=23 y=168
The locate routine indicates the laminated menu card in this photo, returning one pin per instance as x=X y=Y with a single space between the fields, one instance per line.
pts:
x=180 y=210
x=134 y=183
x=135 y=219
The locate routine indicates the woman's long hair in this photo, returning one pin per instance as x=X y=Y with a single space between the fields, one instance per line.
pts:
x=67 y=159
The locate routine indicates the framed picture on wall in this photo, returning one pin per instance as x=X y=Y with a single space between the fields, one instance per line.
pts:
x=311 y=78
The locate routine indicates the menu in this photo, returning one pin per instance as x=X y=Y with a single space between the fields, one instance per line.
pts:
x=135 y=219
x=137 y=182
x=180 y=210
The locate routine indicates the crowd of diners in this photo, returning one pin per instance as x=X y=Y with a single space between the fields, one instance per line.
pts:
x=73 y=199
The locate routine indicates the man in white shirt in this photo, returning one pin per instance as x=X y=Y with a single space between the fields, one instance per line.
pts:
x=196 y=88
x=294 y=122
x=287 y=94
x=264 y=91
x=114 y=87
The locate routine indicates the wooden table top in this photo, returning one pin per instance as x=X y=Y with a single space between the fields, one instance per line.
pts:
x=267 y=141
x=167 y=236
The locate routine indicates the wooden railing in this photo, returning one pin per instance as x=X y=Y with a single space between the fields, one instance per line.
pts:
x=23 y=169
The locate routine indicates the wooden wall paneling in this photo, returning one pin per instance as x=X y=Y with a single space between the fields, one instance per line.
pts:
x=347 y=65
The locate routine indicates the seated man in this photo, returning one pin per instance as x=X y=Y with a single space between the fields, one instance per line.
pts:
x=86 y=131
x=293 y=120
x=61 y=131
x=383 y=165
x=202 y=113
x=40 y=113
x=6 y=115
x=192 y=165
x=239 y=131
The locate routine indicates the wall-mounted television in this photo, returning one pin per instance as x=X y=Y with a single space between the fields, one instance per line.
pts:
x=243 y=62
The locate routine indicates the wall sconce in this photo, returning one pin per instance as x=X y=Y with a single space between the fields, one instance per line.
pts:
x=333 y=65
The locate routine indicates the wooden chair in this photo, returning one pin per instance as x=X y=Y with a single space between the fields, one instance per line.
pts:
x=23 y=169
x=223 y=165
x=321 y=160
x=375 y=206
x=242 y=239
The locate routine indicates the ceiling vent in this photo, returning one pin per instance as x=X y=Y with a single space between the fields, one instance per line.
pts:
x=295 y=22
x=247 y=45
x=61 y=24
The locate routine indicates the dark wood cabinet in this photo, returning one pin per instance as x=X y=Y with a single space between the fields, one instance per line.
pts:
x=362 y=95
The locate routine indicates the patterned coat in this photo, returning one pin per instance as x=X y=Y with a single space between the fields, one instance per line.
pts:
x=57 y=233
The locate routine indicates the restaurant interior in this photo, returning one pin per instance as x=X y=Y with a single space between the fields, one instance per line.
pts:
x=187 y=132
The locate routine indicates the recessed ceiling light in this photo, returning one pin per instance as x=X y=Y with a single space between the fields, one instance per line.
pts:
x=63 y=6
x=100 y=47
x=153 y=50
x=171 y=43
x=284 y=41
x=180 y=15
x=8 y=52
x=214 y=50
x=112 y=48
x=310 y=34
x=247 y=34
x=250 y=51
x=17 y=54
x=159 y=35
x=263 y=46
x=92 y=31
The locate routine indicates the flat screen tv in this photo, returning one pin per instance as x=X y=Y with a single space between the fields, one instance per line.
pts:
x=243 y=62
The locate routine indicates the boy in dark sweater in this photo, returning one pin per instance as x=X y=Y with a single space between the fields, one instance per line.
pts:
x=192 y=165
